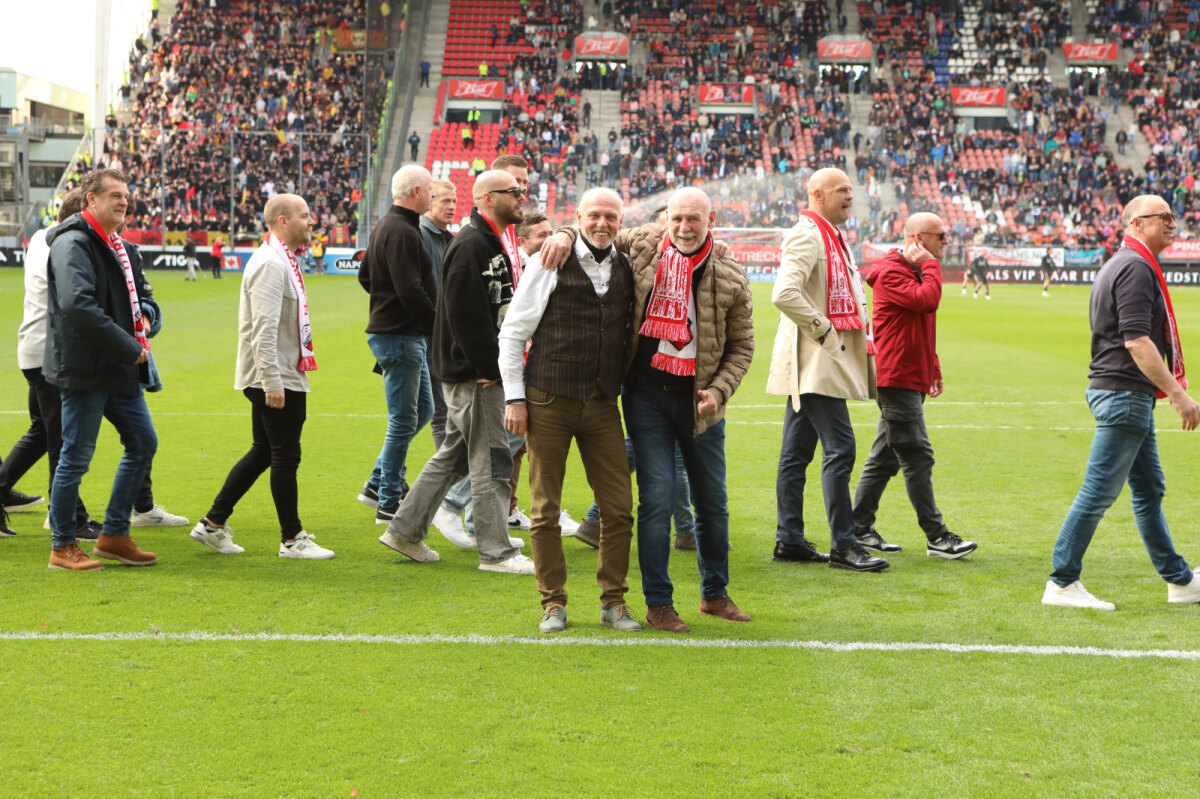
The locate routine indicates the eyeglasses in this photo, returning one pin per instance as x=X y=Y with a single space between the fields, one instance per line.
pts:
x=1167 y=217
x=944 y=238
x=515 y=191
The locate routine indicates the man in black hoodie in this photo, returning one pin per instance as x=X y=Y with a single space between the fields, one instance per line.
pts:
x=398 y=274
x=476 y=288
x=97 y=348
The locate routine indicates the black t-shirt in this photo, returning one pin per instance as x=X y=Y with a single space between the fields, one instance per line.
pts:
x=1126 y=304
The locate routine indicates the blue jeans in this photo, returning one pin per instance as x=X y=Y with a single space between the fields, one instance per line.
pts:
x=657 y=421
x=81 y=415
x=409 y=404
x=1123 y=449
x=684 y=523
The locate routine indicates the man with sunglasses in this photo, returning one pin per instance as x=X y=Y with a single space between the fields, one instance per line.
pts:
x=475 y=291
x=1136 y=358
x=906 y=290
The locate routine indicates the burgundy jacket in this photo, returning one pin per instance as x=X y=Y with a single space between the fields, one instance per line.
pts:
x=904 y=307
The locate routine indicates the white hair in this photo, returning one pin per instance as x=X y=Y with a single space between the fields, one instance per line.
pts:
x=406 y=179
x=593 y=193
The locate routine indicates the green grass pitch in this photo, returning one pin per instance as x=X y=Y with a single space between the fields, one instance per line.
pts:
x=470 y=707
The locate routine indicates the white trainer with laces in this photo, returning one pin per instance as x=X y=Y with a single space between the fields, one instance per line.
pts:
x=1184 y=594
x=518 y=520
x=218 y=538
x=569 y=526
x=303 y=547
x=158 y=516
x=450 y=525
x=517 y=564
x=1073 y=596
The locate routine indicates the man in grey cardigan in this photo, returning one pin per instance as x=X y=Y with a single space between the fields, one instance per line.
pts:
x=274 y=356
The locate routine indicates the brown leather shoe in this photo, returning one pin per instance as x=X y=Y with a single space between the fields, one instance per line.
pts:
x=124 y=549
x=685 y=542
x=664 y=617
x=72 y=558
x=723 y=608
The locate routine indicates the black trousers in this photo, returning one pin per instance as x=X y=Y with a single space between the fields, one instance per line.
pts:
x=276 y=444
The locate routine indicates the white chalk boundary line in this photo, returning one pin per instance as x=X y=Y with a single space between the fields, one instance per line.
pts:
x=683 y=643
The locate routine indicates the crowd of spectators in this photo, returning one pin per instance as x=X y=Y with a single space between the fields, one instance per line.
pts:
x=244 y=99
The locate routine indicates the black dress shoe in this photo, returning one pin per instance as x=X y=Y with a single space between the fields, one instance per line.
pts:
x=856 y=558
x=804 y=552
x=870 y=538
x=5 y=530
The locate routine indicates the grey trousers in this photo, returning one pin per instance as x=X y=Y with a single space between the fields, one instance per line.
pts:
x=901 y=443
x=476 y=446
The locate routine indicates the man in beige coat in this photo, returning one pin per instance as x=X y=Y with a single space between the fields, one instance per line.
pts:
x=819 y=361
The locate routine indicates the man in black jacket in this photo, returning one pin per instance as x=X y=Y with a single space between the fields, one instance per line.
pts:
x=97 y=347
x=475 y=292
x=398 y=274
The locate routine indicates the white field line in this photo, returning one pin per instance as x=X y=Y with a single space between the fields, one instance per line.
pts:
x=684 y=643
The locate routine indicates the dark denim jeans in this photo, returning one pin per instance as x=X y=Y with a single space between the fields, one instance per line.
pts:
x=81 y=415
x=657 y=421
x=1123 y=450
x=409 y=404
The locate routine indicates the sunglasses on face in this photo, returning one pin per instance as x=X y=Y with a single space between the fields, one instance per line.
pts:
x=1167 y=217
x=944 y=238
x=515 y=191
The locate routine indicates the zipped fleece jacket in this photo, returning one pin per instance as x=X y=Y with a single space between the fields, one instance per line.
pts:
x=904 y=303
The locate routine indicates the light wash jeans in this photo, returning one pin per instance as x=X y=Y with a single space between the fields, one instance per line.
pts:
x=409 y=403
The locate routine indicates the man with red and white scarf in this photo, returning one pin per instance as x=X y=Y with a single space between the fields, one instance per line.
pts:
x=274 y=357
x=823 y=356
x=1136 y=358
x=97 y=348
x=692 y=342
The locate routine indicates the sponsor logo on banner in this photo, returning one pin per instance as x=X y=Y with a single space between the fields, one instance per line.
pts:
x=736 y=93
x=11 y=257
x=169 y=260
x=1090 y=52
x=591 y=46
x=1092 y=256
x=838 y=50
x=476 y=89
x=1181 y=251
x=874 y=250
x=977 y=96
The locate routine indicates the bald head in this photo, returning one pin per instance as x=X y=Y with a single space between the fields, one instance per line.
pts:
x=288 y=217
x=492 y=180
x=829 y=194
x=1141 y=205
x=922 y=222
x=1148 y=218
x=280 y=207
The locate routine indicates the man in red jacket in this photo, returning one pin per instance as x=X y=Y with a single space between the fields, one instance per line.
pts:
x=906 y=290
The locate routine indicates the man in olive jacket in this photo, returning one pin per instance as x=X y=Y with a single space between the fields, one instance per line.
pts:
x=97 y=347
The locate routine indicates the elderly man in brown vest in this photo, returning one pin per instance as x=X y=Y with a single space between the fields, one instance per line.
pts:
x=578 y=318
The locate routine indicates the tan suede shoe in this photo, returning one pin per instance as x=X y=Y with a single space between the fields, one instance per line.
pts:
x=72 y=558
x=124 y=549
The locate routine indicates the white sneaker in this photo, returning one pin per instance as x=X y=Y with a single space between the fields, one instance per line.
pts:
x=517 y=564
x=518 y=520
x=218 y=538
x=1184 y=594
x=158 y=516
x=418 y=551
x=450 y=525
x=569 y=526
x=303 y=547
x=1074 y=596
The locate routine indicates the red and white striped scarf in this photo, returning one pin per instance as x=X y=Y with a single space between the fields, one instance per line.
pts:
x=667 y=308
x=308 y=363
x=135 y=305
x=846 y=303
x=1170 y=328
